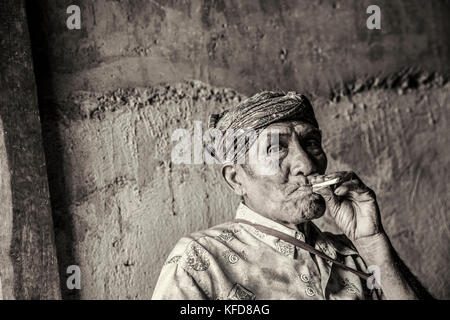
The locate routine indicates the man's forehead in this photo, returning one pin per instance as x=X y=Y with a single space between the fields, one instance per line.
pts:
x=287 y=127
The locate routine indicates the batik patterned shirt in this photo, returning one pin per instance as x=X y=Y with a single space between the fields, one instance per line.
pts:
x=236 y=261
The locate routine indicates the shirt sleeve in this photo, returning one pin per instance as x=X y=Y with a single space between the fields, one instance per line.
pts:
x=175 y=283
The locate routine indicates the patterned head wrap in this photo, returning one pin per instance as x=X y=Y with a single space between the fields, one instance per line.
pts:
x=253 y=115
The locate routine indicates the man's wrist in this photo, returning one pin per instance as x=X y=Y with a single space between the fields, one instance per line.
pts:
x=373 y=248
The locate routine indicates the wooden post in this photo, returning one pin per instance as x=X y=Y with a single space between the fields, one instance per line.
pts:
x=28 y=265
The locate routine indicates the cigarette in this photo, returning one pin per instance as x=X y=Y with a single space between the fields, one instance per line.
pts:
x=324 y=184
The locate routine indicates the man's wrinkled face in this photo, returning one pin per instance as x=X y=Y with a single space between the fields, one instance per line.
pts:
x=285 y=194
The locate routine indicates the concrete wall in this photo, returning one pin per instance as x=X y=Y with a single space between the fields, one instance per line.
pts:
x=120 y=204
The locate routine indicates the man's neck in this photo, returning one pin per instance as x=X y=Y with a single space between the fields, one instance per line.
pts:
x=297 y=227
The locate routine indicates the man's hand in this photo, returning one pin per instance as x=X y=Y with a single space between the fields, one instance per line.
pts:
x=354 y=208
x=352 y=205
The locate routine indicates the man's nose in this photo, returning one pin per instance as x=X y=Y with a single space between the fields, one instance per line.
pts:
x=301 y=163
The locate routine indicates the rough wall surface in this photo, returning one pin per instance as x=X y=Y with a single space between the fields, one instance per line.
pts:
x=247 y=45
x=28 y=264
x=119 y=204
x=129 y=203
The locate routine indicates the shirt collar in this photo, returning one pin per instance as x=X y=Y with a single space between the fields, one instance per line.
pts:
x=244 y=212
x=328 y=243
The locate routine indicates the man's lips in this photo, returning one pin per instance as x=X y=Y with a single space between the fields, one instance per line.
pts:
x=293 y=187
x=290 y=189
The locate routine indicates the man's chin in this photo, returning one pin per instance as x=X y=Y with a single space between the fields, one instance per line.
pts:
x=314 y=214
x=305 y=209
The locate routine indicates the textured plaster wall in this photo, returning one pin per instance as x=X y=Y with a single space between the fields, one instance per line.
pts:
x=247 y=45
x=120 y=204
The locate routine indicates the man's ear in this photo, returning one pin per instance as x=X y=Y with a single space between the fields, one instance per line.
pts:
x=232 y=177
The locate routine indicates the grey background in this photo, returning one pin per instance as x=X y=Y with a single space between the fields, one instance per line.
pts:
x=111 y=94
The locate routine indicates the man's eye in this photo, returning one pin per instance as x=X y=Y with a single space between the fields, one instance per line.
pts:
x=273 y=149
x=313 y=145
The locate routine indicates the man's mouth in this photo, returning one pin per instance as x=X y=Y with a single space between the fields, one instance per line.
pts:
x=292 y=188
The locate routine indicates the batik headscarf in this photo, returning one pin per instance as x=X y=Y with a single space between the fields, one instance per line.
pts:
x=255 y=114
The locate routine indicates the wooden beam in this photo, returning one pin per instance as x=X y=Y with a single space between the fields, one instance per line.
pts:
x=28 y=264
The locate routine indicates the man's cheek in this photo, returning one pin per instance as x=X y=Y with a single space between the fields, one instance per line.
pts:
x=268 y=170
x=322 y=163
x=271 y=184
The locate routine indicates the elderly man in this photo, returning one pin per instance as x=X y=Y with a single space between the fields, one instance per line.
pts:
x=273 y=250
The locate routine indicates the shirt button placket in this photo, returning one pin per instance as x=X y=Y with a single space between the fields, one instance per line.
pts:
x=310 y=291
